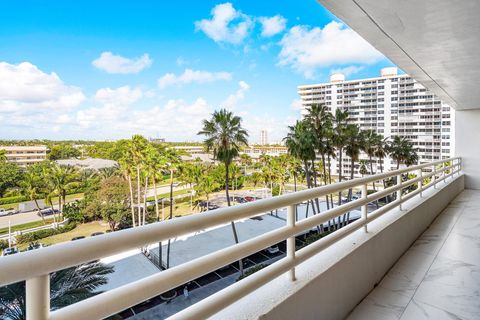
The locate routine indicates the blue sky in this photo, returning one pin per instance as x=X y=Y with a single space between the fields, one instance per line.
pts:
x=108 y=69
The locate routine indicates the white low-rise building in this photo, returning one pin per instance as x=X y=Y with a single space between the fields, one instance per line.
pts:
x=25 y=155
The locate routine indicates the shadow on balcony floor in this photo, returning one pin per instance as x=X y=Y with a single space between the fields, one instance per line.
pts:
x=439 y=276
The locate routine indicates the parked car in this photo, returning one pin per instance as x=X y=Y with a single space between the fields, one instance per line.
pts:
x=47 y=212
x=34 y=245
x=249 y=198
x=273 y=249
x=78 y=238
x=6 y=212
x=9 y=251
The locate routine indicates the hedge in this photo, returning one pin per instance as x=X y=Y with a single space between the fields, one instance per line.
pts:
x=14 y=199
x=3 y=244
x=37 y=235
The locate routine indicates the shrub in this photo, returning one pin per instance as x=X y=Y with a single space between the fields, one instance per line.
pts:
x=252 y=270
x=14 y=199
x=37 y=235
x=3 y=244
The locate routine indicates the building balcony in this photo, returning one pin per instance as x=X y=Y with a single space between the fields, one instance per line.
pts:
x=345 y=265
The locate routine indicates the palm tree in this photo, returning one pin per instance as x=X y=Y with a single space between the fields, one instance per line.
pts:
x=225 y=136
x=401 y=150
x=340 y=122
x=155 y=163
x=137 y=152
x=354 y=144
x=363 y=168
x=31 y=186
x=67 y=287
x=320 y=120
x=300 y=142
x=109 y=172
x=371 y=142
x=126 y=166
x=64 y=178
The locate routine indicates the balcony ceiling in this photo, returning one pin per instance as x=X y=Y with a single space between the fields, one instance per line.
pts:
x=435 y=41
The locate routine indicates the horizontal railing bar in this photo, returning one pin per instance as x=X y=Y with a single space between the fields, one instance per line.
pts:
x=18 y=267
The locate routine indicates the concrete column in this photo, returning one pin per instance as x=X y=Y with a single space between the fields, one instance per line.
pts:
x=467 y=146
x=291 y=240
x=37 y=292
x=364 y=207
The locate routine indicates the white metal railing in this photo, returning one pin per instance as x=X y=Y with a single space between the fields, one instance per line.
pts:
x=35 y=266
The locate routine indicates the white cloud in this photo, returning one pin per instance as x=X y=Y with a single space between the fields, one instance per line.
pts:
x=112 y=63
x=272 y=25
x=296 y=105
x=189 y=76
x=26 y=89
x=181 y=61
x=177 y=120
x=306 y=49
x=233 y=99
x=121 y=96
x=226 y=25
x=347 y=71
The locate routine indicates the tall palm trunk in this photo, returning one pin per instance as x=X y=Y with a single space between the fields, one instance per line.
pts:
x=139 y=209
x=132 y=200
x=294 y=181
x=170 y=218
x=346 y=219
x=325 y=178
x=155 y=195
x=371 y=172
x=330 y=177
x=38 y=210
x=315 y=184
x=340 y=151
x=145 y=200
x=234 y=230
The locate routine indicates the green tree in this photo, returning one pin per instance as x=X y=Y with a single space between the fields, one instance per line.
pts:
x=401 y=150
x=320 y=120
x=10 y=176
x=137 y=152
x=300 y=142
x=111 y=202
x=32 y=184
x=354 y=145
x=67 y=287
x=63 y=151
x=340 y=137
x=64 y=179
x=225 y=136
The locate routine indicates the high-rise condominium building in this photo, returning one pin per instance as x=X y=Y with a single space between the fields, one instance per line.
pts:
x=263 y=137
x=25 y=155
x=391 y=104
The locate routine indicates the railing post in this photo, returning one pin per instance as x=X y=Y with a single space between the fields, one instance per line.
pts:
x=364 y=207
x=291 y=240
x=434 y=177
x=37 y=292
x=420 y=174
x=399 y=191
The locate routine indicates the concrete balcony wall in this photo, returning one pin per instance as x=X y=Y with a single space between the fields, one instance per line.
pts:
x=332 y=283
x=467 y=145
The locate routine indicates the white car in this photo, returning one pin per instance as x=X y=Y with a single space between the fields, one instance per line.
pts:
x=6 y=212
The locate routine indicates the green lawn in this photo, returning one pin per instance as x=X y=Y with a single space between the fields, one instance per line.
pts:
x=85 y=229
x=25 y=226
x=54 y=200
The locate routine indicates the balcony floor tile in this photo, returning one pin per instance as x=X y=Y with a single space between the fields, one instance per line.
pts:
x=439 y=276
